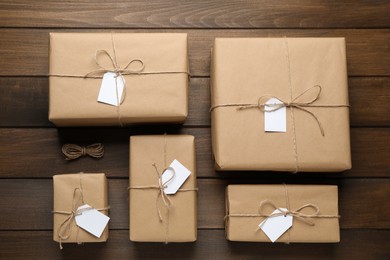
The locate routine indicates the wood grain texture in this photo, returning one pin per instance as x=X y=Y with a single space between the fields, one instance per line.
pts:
x=211 y=244
x=27 y=204
x=190 y=14
x=25 y=51
x=30 y=145
x=24 y=102
x=39 y=151
x=369 y=99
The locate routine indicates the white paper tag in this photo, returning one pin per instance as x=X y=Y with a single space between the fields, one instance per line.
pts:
x=92 y=221
x=181 y=175
x=274 y=227
x=108 y=93
x=274 y=121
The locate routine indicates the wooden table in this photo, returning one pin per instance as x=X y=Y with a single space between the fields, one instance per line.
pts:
x=30 y=145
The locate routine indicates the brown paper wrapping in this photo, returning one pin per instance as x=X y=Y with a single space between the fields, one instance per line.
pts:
x=245 y=199
x=149 y=98
x=245 y=69
x=94 y=189
x=145 y=225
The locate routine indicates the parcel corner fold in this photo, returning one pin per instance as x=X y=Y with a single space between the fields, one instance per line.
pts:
x=156 y=81
x=245 y=70
x=149 y=153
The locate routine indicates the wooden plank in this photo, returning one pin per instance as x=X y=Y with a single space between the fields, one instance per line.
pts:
x=25 y=101
x=368 y=98
x=32 y=149
x=27 y=204
x=25 y=51
x=211 y=244
x=190 y=14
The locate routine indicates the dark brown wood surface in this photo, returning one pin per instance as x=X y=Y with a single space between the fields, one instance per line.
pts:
x=195 y=14
x=25 y=52
x=30 y=145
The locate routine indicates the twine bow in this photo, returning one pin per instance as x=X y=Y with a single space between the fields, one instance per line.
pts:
x=161 y=188
x=261 y=104
x=115 y=65
x=74 y=151
x=294 y=213
x=119 y=72
x=65 y=229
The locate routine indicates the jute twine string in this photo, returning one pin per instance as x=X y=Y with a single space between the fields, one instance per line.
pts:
x=296 y=214
x=293 y=104
x=74 y=151
x=165 y=198
x=65 y=229
x=119 y=71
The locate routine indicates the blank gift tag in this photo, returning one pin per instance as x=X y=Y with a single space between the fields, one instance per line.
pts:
x=108 y=93
x=91 y=220
x=274 y=227
x=181 y=175
x=274 y=121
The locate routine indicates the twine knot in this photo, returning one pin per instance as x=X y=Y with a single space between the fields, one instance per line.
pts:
x=314 y=91
x=118 y=70
x=161 y=186
x=65 y=229
x=294 y=213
